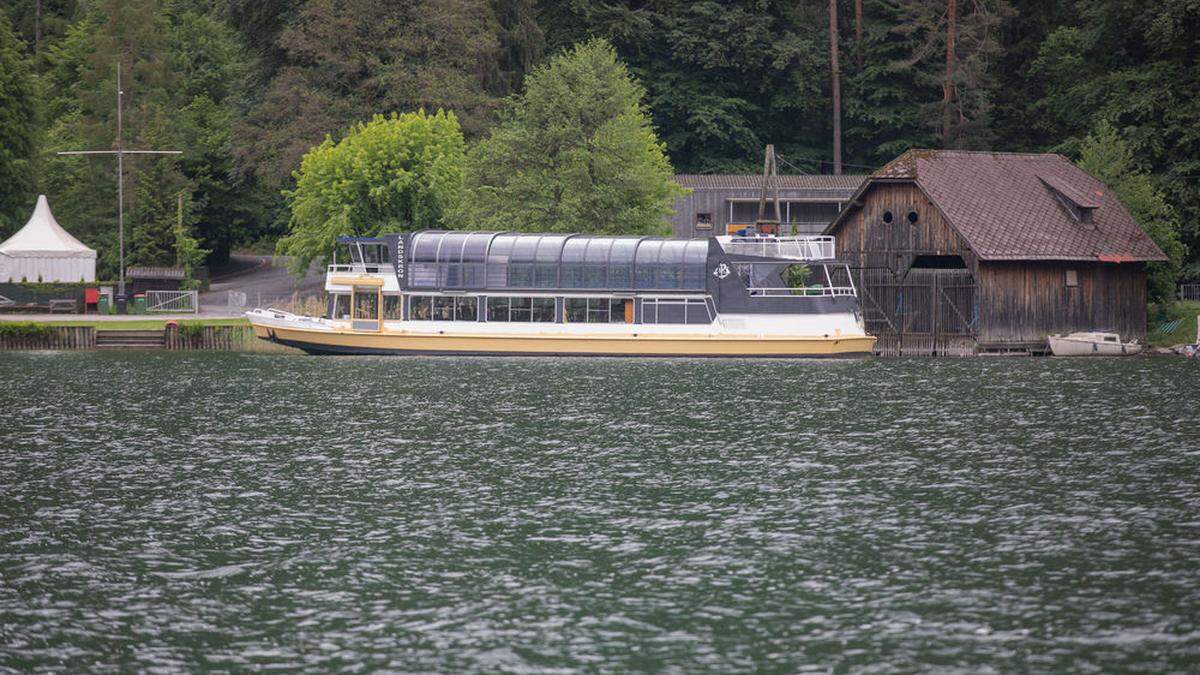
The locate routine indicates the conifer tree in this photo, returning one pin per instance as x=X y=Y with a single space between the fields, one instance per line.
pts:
x=17 y=131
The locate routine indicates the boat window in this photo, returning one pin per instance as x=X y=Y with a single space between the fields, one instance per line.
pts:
x=474 y=253
x=505 y=309
x=339 y=306
x=590 y=310
x=455 y=308
x=675 y=310
x=420 y=307
x=391 y=307
x=425 y=246
x=598 y=310
x=366 y=304
x=471 y=260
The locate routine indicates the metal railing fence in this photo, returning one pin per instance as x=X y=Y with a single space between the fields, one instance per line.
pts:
x=173 y=301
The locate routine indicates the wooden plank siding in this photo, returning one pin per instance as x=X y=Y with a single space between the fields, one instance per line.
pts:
x=1026 y=301
x=866 y=241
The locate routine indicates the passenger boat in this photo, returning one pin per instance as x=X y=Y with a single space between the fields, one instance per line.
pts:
x=437 y=292
x=1092 y=344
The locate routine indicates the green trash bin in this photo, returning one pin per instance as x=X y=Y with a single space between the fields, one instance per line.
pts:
x=139 y=304
x=102 y=305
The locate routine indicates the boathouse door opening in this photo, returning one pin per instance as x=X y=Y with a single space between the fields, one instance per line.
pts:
x=928 y=310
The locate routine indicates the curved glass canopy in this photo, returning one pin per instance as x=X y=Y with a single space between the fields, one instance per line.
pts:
x=505 y=260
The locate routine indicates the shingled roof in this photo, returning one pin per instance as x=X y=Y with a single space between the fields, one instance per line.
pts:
x=1014 y=206
x=754 y=182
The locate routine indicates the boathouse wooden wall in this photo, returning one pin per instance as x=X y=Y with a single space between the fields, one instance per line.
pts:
x=1026 y=301
x=868 y=241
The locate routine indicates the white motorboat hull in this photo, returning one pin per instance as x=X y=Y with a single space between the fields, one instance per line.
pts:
x=1085 y=346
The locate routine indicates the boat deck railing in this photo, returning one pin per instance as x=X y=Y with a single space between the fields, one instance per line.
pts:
x=792 y=248
x=806 y=291
x=361 y=268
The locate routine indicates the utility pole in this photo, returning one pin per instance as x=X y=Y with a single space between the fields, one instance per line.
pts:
x=837 y=88
x=120 y=152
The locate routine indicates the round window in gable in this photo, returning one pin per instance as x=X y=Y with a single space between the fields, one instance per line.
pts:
x=887 y=216
x=912 y=217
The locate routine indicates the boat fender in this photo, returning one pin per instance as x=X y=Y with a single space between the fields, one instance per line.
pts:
x=1095 y=347
x=1123 y=350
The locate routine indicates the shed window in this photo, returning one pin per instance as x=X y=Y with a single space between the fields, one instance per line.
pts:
x=1072 y=278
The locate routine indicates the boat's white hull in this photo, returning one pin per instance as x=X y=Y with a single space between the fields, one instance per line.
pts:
x=320 y=336
x=1069 y=346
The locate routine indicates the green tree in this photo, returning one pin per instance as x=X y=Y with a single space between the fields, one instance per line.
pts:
x=1107 y=156
x=393 y=173
x=17 y=131
x=574 y=152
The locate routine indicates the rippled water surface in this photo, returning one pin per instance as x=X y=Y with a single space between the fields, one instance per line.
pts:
x=183 y=511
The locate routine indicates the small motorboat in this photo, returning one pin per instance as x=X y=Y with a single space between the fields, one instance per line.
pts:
x=1092 y=344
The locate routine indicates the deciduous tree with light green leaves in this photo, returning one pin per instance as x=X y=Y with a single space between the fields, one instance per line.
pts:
x=1107 y=156
x=396 y=173
x=574 y=153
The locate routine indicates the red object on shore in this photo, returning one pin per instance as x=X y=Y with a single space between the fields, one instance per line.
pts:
x=91 y=298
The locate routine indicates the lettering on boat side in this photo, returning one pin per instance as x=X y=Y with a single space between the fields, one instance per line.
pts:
x=722 y=271
x=400 y=259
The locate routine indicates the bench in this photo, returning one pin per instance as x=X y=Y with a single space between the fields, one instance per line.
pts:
x=64 y=306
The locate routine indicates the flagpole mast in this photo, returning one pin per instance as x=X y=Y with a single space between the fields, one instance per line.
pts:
x=121 y=300
x=120 y=152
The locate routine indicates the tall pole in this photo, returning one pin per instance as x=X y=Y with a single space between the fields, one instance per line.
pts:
x=948 y=87
x=120 y=198
x=120 y=152
x=837 y=88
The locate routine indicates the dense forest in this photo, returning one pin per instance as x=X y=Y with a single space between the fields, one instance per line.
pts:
x=246 y=87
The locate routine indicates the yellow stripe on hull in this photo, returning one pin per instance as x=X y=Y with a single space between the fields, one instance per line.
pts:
x=591 y=345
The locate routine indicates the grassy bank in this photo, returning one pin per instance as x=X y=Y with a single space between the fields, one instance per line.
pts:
x=1183 y=333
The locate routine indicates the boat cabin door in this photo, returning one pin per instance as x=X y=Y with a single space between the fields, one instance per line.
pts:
x=366 y=304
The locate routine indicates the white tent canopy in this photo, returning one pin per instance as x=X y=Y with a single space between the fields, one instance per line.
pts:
x=44 y=251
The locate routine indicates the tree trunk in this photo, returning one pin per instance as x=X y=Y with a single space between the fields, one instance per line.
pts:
x=948 y=85
x=858 y=41
x=37 y=27
x=837 y=88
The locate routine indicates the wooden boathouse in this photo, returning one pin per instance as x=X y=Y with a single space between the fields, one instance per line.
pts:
x=958 y=252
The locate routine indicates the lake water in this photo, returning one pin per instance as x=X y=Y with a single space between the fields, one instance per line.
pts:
x=182 y=511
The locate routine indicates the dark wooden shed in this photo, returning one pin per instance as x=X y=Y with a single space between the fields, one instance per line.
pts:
x=960 y=252
x=142 y=279
x=718 y=204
